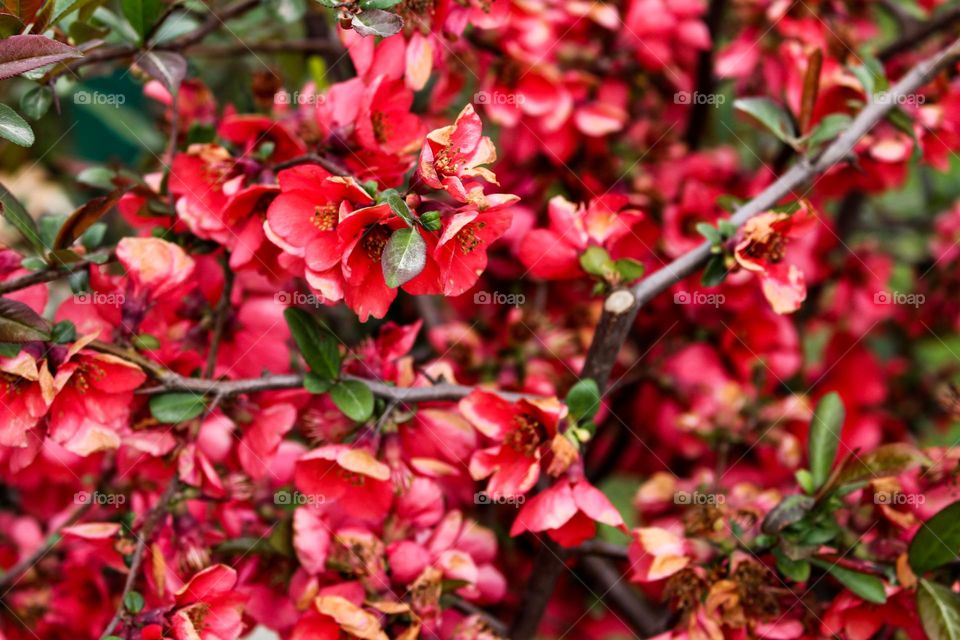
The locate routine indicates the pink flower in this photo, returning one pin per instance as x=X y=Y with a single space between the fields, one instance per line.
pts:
x=656 y=554
x=762 y=250
x=348 y=479
x=567 y=512
x=208 y=607
x=158 y=269
x=455 y=152
x=523 y=431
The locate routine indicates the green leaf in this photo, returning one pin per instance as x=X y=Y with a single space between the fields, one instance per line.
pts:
x=398 y=204
x=629 y=269
x=805 y=480
x=827 y=129
x=709 y=232
x=99 y=177
x=404 y=257
x=886 y=460
x=315 y=384
x=936 y=541
x=319 y=348
x=791 y=510
x=376 y=22
x=36 y=102
x=16 y=215
x=20 y=323
x=63 y=332
x=768 y=113
x=9 y=349
x=868 y=587
x=14 y=128
x=141 y=14
x=133 y=602
x=824 y=437
x=354 y=399
x=796 y=570
x=596 y=261
x=939 y=610
x=173 y=408
x=715 y=272
x=167 y=67
x=583 y=399
x=378 y=4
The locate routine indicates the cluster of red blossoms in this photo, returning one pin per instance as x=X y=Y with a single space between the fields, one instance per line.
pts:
x=337 y=371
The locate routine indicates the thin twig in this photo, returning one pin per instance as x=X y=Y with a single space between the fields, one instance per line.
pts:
x=154 y=517
x=496 y=625
x=52 y=273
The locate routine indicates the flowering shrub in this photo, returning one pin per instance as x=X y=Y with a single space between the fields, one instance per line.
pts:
x=472 y=320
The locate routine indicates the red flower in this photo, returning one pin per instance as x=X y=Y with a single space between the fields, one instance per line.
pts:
x=208 y=607
x=523 y=430
x=567 y=512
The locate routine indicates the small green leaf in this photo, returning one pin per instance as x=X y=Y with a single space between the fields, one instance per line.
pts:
x=141 y=14
x=629 y=269
x=596 y=261
x=886 y=460
x=805 y=480
x=16 y=215
x=319 y=348
x=715 y=272
x=791 y=510
x=36 y=102
x=99 y=177
x=63 y=332
x=173 y=408
x=727 y=228
x=145 y=342
x=20 y=323
x=769 y=114
x=315 y=384
x=431 y=220
x=354 y=399
x=404 y=257
x=133 y=602
x=937 y=541
x=825 y=427
x=796 y=570
x=583 y=400
x=827 y=129
x=14 y=128
x=709 y=232
x=398 y=204
x=868 y=587
x=376 y=22
x=378 y=4
x=9 y=349
x=939 y=610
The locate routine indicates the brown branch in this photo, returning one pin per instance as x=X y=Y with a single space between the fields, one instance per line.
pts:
x=49 y=274
x=914 y=36
x=10 y=577
x=212 y=23
x=270 y=46
x=621 y=307
x=496 y=625
x=706 y=80
x=153 y=520
x=601 y=548
x=312 y=158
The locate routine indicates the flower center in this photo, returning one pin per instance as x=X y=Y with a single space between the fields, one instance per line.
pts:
x=325 y=217
x=374 y=241
x=527 y=434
